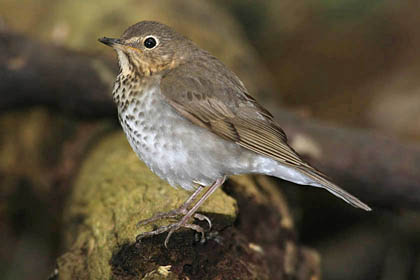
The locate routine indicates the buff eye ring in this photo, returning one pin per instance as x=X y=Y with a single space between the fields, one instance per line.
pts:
x=150 y=42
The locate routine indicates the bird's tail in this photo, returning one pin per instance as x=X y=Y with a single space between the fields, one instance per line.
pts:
x=320 y=180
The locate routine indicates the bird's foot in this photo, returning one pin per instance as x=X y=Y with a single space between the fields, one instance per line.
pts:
x=164 y=215
x=173 y=214
x=171 y=228
x=186 y=212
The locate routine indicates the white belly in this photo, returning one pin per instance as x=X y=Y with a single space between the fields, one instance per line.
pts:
x=174 y=148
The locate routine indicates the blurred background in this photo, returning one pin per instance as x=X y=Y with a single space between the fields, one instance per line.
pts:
x=352 y=64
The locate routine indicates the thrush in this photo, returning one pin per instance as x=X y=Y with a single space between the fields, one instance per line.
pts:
x=193 y=122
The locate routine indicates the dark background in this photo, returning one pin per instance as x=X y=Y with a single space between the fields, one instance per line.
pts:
x=349 y=63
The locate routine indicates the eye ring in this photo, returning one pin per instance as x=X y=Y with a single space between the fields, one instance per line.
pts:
x=150 y=42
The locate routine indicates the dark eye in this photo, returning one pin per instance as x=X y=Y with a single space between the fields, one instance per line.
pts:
x=150 y=42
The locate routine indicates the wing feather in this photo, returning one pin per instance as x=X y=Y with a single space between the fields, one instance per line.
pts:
x=219 y=102
x=225 y=108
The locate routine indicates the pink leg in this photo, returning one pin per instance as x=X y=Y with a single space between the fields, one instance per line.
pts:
x=182 y=210
x=171 y=228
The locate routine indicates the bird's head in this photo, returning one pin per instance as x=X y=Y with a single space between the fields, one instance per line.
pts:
x=149 y=47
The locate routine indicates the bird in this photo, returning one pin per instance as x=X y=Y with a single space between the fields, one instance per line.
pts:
x=192 y=121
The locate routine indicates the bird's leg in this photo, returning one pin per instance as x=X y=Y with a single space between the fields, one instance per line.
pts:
x=187 y=216
x=191 y=212
x=182 y=210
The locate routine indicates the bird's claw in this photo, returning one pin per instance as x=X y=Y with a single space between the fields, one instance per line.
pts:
x=171 y=229
x=202 y=217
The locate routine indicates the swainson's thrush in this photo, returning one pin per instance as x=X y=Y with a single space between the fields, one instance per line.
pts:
x=192 y=121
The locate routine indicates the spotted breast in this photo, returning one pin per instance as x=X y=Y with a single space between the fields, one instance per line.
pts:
x=170 y=145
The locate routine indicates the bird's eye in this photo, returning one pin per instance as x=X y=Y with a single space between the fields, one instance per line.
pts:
x=150 y=42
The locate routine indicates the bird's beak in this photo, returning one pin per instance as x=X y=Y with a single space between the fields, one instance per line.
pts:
x=112 y=42
x=117 y=44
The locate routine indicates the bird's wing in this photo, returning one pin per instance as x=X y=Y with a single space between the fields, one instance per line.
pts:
x=219 y=102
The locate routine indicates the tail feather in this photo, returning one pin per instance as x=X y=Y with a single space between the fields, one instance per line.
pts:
x=321 y=181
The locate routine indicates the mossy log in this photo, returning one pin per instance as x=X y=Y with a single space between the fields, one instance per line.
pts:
x=252 y=237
